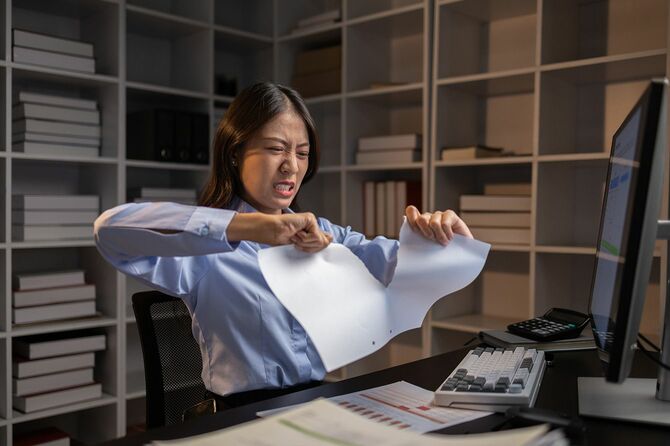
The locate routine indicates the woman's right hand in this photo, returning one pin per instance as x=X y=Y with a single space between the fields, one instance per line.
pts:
x=300 y=229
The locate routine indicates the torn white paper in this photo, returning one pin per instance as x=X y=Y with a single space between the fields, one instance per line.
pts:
x=347 y=313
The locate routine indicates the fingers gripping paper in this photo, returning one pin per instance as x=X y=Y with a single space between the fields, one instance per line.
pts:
x=347 y=313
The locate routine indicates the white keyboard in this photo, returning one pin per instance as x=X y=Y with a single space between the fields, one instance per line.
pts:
x=493 y=379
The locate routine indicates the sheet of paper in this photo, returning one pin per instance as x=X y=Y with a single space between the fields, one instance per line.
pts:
x=347 y=313
x=401 y=405
x=324 y=423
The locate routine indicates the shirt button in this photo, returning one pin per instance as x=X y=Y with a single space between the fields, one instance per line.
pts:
x=204 y=230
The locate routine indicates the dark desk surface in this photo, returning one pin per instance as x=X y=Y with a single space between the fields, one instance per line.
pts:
x=558 y=392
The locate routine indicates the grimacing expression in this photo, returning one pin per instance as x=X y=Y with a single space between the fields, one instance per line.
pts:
x=274 y=161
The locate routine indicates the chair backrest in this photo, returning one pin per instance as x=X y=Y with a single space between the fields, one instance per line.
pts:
x=172 y=359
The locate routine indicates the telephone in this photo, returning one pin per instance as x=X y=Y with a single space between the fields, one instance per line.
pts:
x=554 y=325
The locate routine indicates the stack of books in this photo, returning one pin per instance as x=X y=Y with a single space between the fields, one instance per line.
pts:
x=501 y=215
x=58 y=295
x=318 y=20
x=54 y=370
x=318 y=72
x=149 y=194
x=49 y=436
x=389 y=149
x=55 y=125
x=53 y=217
x=470 y=152
x=51 y=51
x=384 y=204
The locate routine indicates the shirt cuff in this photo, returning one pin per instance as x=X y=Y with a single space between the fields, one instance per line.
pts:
x=211 y=223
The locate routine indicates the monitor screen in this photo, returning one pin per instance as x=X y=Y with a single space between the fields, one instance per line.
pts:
x=627 y=232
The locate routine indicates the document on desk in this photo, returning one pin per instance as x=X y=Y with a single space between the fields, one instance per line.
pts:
x=347 y=313
x=401 y=405
x=324 y=423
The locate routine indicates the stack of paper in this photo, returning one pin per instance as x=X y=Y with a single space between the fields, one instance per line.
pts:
x=53 y=52
x=53 y=217
x=389 y=149
x=174 y=195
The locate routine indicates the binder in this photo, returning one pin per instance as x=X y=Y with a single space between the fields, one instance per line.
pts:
x=151 y=135
x=200 y=138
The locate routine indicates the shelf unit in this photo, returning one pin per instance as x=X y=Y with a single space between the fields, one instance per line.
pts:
x=453 y=71
x=550 y=80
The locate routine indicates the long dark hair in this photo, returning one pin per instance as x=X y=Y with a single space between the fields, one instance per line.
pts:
x=251 y=110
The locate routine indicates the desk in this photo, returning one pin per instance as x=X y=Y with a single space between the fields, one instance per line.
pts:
x=558 y=392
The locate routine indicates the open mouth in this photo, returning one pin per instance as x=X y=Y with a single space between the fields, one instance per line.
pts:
x=284 y=189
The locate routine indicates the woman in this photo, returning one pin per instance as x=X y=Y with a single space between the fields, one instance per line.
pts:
x=264 y=150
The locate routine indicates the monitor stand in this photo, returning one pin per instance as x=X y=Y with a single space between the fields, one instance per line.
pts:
x=636 y=399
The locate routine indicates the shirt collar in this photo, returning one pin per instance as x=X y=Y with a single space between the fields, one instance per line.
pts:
x=241 y=206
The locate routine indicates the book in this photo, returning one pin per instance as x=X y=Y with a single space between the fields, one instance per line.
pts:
x=327 y=16
x=318 y=60
x=390 y=208
x=505 y=339
x=53 y=60
x=53 y=217
x=22 y=233
x=159 y=192
x=472 y=152
x=41 y=401
x=369 y=208
x=390 y=142
x=48 y=99
x=47 y=296
x=53 y=312
x=56 y=128
x=50 y=436
x=507 y=189
x=56 y=202
x=34 y=281
x=501 y=235
x=497 y=219
x=45 y=42
x=406 y=193
x=38 y=148
x=54 y=113
x=494 y=203
x=24 y=368
x=51 y=382
x=380 y=213
x=56 y=139
x=56 y=344
x=388 y=156
x=318 y=84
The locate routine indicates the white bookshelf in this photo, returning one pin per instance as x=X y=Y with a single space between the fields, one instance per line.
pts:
x=453 y=71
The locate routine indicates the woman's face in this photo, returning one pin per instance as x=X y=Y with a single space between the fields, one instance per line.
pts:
x=274 y=161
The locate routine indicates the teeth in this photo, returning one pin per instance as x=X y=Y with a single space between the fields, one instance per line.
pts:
x=283 y=187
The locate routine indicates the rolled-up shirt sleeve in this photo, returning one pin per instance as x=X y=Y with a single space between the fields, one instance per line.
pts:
x=163 y=244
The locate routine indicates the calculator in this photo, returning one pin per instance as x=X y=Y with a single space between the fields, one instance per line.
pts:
x=554 y=325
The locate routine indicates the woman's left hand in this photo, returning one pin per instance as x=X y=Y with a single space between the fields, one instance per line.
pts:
x=439 y=226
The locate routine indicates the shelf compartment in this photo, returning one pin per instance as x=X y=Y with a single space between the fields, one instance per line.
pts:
x=137 y=177
x=288 y=52
x=134 y=362
x=569 y=200
x=480 y=36
x=386 y=52
x=499 y=295
x=581 y=108
x=106 y=94
x=194 y=10
x=321 y=196
x=164 y=52
x=478 y=113
x=239 y=62
x=376 y=8
x=579 y=29
x=93 y=22
x=393 y=113
x=254 y=16
x=135 y=415
x=289 y=16
x=328 y=119
x=97 y=272
x=3 y=207
x=354 y=185
x=100 y=416
x=563 y=281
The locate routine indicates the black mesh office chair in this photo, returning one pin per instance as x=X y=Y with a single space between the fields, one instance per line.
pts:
x=172 y=360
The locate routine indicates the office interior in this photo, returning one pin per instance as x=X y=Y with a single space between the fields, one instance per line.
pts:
x=547 y=82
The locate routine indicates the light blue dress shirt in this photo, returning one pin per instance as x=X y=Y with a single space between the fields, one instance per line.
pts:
x=248 y=340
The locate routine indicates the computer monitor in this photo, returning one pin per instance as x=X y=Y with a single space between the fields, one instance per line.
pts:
x=624 y=253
